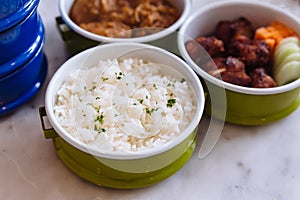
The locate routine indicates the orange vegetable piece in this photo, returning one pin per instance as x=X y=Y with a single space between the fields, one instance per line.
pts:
x=273 y=33
x=283 y=29
x=271 y=43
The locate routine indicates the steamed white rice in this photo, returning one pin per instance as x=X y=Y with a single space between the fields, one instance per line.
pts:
x=126 y=105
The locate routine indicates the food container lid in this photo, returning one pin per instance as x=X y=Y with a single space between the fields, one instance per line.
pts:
x=14 y=11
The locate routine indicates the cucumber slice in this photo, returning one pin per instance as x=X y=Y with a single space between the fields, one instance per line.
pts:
x=288 y=40
x=289 y=58
x=285 y=51
x=288 y=73
x=280 y=48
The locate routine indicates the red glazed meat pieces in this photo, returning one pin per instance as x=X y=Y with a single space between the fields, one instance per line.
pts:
x=235 y=72
x=236 y=57
x=226 y=29
x=261 y=80
x=254 y=53
x=212 y=45
x=229 y=69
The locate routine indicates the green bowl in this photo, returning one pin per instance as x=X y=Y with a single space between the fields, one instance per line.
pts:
x=232 y=103
x=107 y=173
x=249 y=109
x=123 y=169
x=93 y=170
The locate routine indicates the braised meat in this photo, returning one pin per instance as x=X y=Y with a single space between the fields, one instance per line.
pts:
x=113 y=17
x=254 y=53
x=84 y=11
x=198 y=54
x=193 y=48
x=215 y=66
x=116 y=29
x=212 y=45
x=237 y=58
x=226 y=29
x=228 y=69
x=261 y=80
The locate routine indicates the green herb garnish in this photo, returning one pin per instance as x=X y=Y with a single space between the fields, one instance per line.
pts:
x=100 y=118
x=99 y=129
x=150 y=111
x=140 y=100
x=171 y=102
x=93 y=88
x=98 y=109
x=102 y=130
x=104 y=79
x=119 y=75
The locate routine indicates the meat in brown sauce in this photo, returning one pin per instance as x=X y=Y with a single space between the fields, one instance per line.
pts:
x=117 y=18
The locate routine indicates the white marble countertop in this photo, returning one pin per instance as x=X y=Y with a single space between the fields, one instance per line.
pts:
x=247 y=162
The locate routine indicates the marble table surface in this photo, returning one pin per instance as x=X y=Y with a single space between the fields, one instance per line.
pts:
x=247 y=162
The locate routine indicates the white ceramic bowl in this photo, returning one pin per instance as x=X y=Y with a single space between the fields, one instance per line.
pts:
x=248 y=106
x=184 y=6
x=159 y=162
